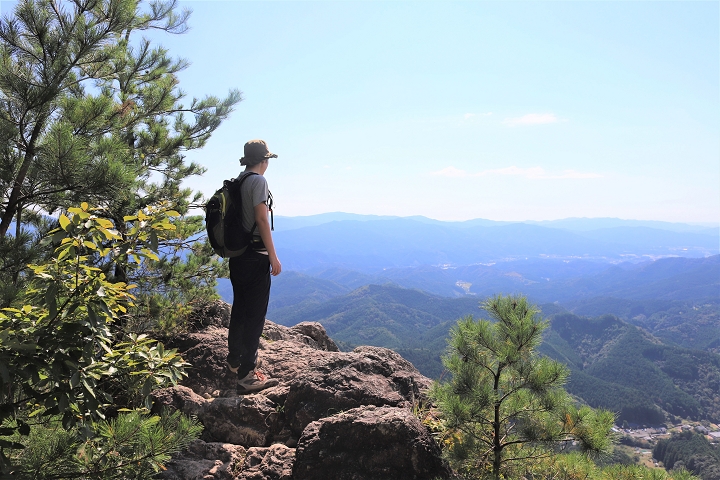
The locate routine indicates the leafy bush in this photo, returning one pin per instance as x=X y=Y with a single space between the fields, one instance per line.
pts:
x=62 y=356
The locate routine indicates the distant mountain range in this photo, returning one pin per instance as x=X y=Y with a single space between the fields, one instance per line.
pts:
x=402 y=283
x=543 y=281
x=572 y=224
x=371 y=244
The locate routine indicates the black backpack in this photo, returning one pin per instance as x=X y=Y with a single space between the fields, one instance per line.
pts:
x=223 y=220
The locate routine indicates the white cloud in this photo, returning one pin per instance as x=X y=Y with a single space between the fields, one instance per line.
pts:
x=468 y=116
x=532 y=119
x=537 y=173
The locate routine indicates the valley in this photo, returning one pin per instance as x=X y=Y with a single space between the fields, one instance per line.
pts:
x=637 y=323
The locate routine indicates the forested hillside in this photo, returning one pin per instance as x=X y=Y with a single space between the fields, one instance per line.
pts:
x=618 y=366
x=613 y=363
x=692 y=451
x=690 y=324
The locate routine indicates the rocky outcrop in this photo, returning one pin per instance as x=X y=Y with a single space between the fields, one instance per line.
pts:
x=367 y=442
x=221 y=461
x=348 y=413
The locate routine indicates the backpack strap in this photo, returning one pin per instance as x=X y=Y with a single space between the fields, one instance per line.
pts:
x=269 y=203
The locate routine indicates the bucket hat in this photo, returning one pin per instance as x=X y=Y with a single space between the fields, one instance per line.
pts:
x=255 y=152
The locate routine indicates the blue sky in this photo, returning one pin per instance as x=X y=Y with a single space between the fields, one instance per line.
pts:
x=474 y=109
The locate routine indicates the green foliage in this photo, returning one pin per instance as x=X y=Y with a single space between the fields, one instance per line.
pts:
x=89 y=111
x=654 y=376
x=689 y=324
x=132 y=445
x=505 y=404
x=61 y=354
x=181 y=281
x=692 y=451
x=574 y=466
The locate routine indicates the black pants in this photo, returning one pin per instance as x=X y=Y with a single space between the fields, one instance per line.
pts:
x=250 y=277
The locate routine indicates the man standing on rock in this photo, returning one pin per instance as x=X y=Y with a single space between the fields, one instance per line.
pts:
x=250 y=273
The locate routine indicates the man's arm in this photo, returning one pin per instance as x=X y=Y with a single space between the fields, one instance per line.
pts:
x=263 y=226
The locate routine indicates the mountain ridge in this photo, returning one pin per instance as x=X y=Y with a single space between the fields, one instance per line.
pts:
x=571 y=223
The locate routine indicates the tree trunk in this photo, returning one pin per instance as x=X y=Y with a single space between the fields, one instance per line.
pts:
x=13 y=204
x=497 y=447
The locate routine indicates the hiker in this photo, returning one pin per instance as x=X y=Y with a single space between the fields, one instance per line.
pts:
x=250 y=273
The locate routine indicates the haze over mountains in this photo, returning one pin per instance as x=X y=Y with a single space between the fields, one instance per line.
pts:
x=370 y=244
x=626 y=300
x=560 y=260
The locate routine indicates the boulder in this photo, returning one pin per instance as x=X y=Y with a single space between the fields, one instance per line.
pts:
x=250 y=420
x=207 y=461
x=340 y=381
x=206 y=352
x=215 y=314
x=178 y=398
x=368 y=443
x=225 y=461
x=370 y=391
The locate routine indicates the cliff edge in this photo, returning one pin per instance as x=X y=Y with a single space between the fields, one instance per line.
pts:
x=334 y=415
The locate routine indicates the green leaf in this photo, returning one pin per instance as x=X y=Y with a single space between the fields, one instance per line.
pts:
x=68 y=420
x=63 y=402
x=92 y=316
x=75 y=379
x=88 y=388
x=36 y=412
x=64 y=222
x=50 y=299
x=104 y=222
x=150 y=255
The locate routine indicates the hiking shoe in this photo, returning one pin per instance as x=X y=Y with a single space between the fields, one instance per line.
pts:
x=258 y=362
x=254 y=382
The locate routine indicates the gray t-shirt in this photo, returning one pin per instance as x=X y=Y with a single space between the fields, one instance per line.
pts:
x=254 y=192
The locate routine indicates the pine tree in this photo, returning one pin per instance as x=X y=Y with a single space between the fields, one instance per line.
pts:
x=505 y=405
x=89 y=112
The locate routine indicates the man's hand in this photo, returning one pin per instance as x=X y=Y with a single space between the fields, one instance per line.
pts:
x=275 y=266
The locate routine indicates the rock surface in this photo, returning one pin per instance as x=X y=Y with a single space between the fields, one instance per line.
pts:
x=368 y=442
x=349 y=411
